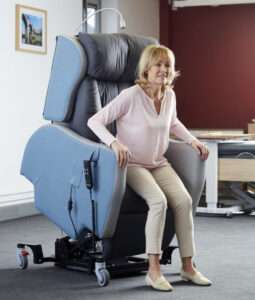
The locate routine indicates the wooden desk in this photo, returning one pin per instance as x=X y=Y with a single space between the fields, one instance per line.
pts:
x=223 y=169
x=234 y=169
x=224 y=136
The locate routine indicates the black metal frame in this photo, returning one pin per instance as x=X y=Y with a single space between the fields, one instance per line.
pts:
x=80 y=255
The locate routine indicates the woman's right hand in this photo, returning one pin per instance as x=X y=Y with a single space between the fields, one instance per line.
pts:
x=122 y=153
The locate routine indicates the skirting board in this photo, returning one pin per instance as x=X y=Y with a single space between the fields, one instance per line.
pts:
x=19 y=205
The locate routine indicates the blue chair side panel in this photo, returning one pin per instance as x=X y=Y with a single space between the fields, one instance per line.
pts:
x=53 y=162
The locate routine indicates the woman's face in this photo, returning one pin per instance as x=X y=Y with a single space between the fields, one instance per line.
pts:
x=159 y=73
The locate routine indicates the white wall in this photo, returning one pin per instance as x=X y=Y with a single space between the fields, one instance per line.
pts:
x=109 y=19
x=23 y=84
x=142 y=17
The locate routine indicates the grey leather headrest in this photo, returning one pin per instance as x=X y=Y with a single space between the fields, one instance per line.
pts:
x=113 y=57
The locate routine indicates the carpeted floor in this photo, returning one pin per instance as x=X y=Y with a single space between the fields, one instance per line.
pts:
x=225 y=253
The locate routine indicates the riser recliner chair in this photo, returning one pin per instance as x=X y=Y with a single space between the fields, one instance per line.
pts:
x=104 y=224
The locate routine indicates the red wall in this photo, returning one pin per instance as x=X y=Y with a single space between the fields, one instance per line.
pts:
x=215 y=52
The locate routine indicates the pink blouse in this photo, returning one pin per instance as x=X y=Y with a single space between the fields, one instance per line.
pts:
x=140 y=127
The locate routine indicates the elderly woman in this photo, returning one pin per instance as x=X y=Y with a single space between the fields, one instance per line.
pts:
x=145 y=115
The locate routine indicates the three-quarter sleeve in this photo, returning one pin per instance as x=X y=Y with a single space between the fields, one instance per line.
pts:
x=111 y=112
x=177 y=127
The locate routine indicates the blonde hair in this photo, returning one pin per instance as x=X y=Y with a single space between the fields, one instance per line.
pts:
x=150 y=56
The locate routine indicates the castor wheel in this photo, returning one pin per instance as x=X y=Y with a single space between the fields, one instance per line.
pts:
x=229 y=215
x=103 y=277
x=22 y=258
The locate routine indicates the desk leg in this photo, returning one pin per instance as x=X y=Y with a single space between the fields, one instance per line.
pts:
x=211 y=175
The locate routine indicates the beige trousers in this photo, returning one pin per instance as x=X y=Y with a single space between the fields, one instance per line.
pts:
x=161 y=187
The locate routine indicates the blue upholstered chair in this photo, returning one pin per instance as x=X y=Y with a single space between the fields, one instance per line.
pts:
x=88 y=71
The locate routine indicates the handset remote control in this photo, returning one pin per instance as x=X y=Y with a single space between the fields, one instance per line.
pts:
x=88 y=174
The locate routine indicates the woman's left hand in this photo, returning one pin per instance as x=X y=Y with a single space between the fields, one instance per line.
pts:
x=200 y=148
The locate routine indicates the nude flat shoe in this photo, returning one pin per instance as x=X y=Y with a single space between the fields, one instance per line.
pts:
x=160 y=284
x=196 y=278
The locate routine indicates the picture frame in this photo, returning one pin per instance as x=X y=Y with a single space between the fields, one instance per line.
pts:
x=31 y=29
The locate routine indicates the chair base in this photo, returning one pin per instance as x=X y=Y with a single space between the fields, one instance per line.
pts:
x=77 y=255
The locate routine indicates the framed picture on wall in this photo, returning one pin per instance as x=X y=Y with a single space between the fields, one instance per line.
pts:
x=31 y=29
